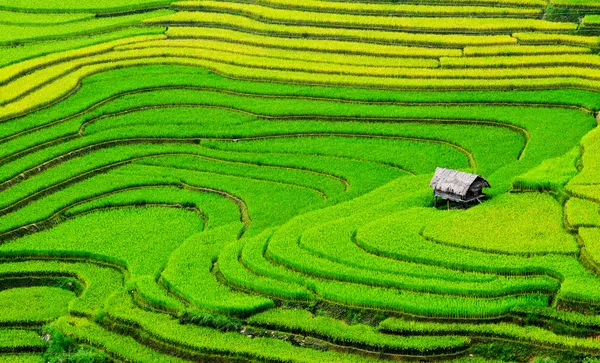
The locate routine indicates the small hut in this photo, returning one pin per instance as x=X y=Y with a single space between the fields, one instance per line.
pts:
x=457 y=186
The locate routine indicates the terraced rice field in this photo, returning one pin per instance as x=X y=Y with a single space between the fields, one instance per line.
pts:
x=248 y=180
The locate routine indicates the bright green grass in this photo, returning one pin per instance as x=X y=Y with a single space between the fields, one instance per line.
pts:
x=519 y=223
x=33 y=304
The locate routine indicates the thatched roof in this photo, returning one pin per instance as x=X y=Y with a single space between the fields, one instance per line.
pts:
x=455 y=182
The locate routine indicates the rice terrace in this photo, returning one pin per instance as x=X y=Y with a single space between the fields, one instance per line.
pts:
x=299 y=181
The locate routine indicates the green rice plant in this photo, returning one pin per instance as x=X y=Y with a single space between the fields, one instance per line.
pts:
x=33 y=305
x=420 y=132
x=393 y=152
x=591 y=242
x=25 y=84
x=582 y=213
x=258 y=208
x=100 y=281
x=384 y=9
x=76 y=6
x=461 y=135
x=46 y=134
x=584 y=60
x=590 y=21
x=13 y=71
x=189 y=274
x=295 y=17
x=246 y=29
x=535 y=151
x=216 y=321
x=552 y=39
x=364 y=336
x=22 y=358
x=250 y=64
x=235 y=272
x=590 y=159
x=387 y=299
x=519 y=3
x=584 y=191
x=265 y=210
x=407 y=244
x=511 y=331
x=193 y=157
x=252 y=257
x=320 y=184
x=15 y=340
x=217 y=211
x=10 y=17
x=551 y=174
x=289 y=246
x=156 y=296
x=504 y=50
x=535 y=222
x=567 y=317
x=124 y=347
x=89 y=164
x=198 y=36
x=62 y=72
x=360 y=295
x=62 y=86
x=101 y=86
x=134 y=240
x=423 y=304
x=10 y=55
x=20 y=33
x=53 y=204
x=162 y=328
x=355 y=56
x=585 y=4
x=330 y=234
